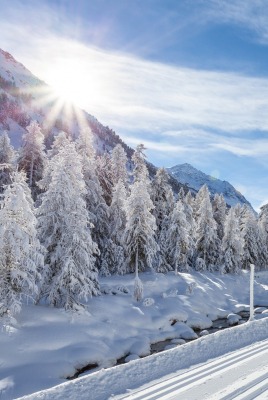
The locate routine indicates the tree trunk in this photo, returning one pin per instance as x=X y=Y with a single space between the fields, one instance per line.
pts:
x=31 y=173
x=137 y=263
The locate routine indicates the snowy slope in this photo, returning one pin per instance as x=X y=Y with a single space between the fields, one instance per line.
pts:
x=13 y=71
x=194 y=179
x=46 y=345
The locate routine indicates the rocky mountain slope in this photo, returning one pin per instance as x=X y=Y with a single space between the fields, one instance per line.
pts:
x=194 y=179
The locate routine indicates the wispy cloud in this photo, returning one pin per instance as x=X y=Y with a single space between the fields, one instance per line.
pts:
x=252 y=15
x=139 y=93
x=187 y=108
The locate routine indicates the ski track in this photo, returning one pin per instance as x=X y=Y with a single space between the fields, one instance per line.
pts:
x=243 y=374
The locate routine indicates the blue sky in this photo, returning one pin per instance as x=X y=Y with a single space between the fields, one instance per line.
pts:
x=189 y=78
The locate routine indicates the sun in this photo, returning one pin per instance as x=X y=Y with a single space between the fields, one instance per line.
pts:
x=73 y=82
x=64 y=96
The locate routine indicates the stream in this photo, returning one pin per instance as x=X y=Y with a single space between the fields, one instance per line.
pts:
x=157 y=347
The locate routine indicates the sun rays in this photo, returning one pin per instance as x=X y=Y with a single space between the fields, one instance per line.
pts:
x=57 y=111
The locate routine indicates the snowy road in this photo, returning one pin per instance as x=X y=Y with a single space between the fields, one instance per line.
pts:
x=242 y=374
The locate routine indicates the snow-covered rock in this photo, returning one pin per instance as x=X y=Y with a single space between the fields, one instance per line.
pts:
x=148 y=302
x=260 y=310
x=199 y=322
x=170 y=346
x=204 y=333
x=233 y=319
x=178 y=341
x=132 y=357
x=184 y=332
x=220 y=313
x=241 y=307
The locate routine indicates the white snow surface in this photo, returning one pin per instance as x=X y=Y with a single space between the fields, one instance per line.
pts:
x=159 y=370
x=46 y=345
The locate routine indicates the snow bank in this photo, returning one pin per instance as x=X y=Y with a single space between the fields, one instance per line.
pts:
x=104 y=383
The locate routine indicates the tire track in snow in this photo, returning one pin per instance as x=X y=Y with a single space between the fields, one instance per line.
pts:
x=250 y=391
x=198 y=375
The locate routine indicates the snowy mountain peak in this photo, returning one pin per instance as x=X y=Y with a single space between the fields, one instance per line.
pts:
x=15 y=72
x=194 y=179
x=7 y=55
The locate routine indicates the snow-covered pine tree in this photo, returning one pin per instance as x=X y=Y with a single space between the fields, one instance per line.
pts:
x=238 y=213
x=252 y=253
x=65 y=231
x=163 y=201
x=207 y=241
x=181 y=194
x=21 y=255
x=7 y=158
x=263 y=232
x=139 y=237
x=189 y=199
x=263 y=210
x=119 y=165
x=160 y=188
x=113 y=177
x=191 y=226
x=197 y=200
x=114 y=259
x=104 y=173
x=32 y=157
x=118 y=213
x=96 y=206
x=178 y=239
x=219 y=213
x=140 y=170
x=59 y=141
x=162 y=257
x=232 y=244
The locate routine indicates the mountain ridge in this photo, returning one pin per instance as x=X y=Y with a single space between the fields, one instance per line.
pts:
x=195 y=179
